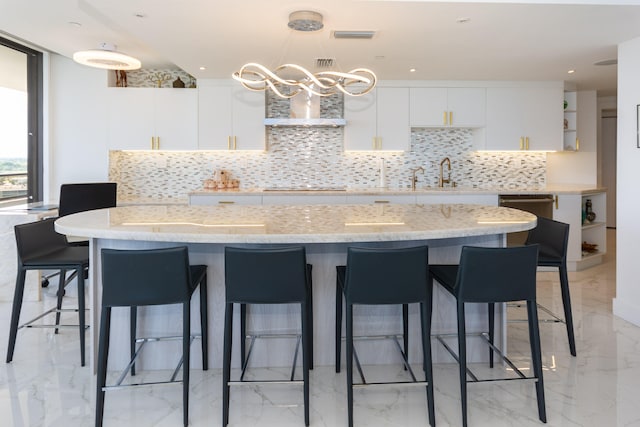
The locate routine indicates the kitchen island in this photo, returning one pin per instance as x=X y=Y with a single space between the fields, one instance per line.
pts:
x=325 y=230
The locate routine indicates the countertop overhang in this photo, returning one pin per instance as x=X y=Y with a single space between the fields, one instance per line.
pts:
x=300 y=224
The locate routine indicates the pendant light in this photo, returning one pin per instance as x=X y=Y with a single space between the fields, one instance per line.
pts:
x=107 y=57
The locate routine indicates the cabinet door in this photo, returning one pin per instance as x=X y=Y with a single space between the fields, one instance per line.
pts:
x=360 y=114
x=248 y=110
x=531 y=112
x=393 y=129
x=214 y=118
x=467 y=106
x=176 y=119
x=130 y=118
x=569 y=211
x=427 y=106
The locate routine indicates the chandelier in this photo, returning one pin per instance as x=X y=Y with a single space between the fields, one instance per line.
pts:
x=106 y=57
x=296 y=79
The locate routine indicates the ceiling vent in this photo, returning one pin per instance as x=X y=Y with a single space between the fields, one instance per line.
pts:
x=362 y=35
x=325 y=62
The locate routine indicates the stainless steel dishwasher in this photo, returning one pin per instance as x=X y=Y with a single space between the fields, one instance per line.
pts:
x=537 y=204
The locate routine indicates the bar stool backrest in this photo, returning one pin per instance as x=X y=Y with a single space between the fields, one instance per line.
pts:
x=265 y=276
x=36 y=239
x=497 y=274
x=145 y=277
x=82 y=197
x=553 y=238
x=386 y=276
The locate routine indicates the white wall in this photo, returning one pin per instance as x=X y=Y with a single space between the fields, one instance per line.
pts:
x=627 y=301
x=77 y=127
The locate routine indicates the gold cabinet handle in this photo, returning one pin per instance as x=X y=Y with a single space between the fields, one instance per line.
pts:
x=380 y=201
x=555 y=199
x=380 y=143
x=228 y=143
x=577 y=144
x=450 y=118
x=235 y=146
x=444 y=118
x=226 y=202
x=153 y=142
x=526 y=143
x=521 y=143
x=374 y=143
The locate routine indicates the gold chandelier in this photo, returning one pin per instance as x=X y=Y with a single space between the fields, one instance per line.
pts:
x=257 y=77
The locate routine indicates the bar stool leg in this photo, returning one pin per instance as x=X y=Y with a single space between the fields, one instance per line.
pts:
x=103 y=354
x=186 y=359
x=243 y=333
x=536 y=357
x=204 y=323
x=425 y=316
x=338 y=335
x=15 y=312
x=226 y=361
x=405 y=331
x=81 y=313
x=566 y=303
x=62 y=276
x=306 y=356
x=350 y=363
x=492 y=317
x=462 y=363
x=133 y=328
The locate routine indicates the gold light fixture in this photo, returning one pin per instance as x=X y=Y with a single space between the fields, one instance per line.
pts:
x=257 y=77
x=107 y=58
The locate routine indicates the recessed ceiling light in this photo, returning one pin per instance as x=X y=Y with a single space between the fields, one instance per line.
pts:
x=412 y=70
x=571 y=71
x=202 y=68
x=463 y=20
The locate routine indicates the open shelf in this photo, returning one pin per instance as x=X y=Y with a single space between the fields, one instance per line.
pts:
x=589 y=225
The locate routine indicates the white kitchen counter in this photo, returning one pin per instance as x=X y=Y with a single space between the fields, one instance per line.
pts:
x=325 y=230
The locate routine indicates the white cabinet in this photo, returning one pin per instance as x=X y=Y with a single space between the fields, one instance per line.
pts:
x=447 y=199
x=230 y=118
x=151 y=118
x=447 y=107
x=378 y=120
x=569 y=209
x=524 y=118
x=301 y=199
x=381 y=199
x=222 y=199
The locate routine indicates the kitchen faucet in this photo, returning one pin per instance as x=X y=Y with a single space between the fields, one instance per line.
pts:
x=414 y=178
x=443 y=181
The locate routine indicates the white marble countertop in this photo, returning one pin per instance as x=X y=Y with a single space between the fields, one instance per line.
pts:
x=294 y=223
x=552 y=188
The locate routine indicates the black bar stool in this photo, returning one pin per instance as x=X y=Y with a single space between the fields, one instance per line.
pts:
x=132 y=278
x=493 y=275
x=552 y=237
x=266 y=276
x=39 y=247
x=381 y=277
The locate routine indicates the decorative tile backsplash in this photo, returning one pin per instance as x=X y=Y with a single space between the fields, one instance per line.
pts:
x=298 y=156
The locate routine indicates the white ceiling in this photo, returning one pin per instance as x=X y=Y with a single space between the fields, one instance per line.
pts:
x=501 y=41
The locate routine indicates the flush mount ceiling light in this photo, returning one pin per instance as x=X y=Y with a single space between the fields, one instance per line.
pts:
x=257 y=77
x=107 y=58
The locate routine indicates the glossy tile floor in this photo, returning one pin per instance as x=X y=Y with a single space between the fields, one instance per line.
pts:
x=45 y=386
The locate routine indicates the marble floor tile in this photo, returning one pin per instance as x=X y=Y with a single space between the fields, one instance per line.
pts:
x=45 y=386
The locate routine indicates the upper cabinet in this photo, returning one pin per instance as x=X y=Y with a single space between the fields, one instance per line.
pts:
x=230 y=118
x=447 y=107
x=378 y=120
x=152 y=119
x=524 y=118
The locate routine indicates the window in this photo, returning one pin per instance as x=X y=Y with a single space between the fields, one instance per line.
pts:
x=20 y=123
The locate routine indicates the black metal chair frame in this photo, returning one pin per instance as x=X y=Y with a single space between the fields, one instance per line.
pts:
x=174 y=282
x=39 y=247
x=493 y=275
x=375 y=276
x=276 y=276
